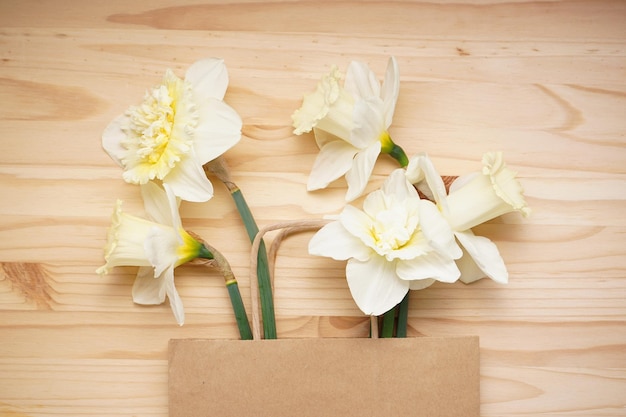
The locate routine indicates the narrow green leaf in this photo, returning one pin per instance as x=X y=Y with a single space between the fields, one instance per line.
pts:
x=389 y=319
x=403 y=316
x=240 y=312
x=263 y=275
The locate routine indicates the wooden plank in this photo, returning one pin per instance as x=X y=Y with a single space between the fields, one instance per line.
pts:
x=542 y=81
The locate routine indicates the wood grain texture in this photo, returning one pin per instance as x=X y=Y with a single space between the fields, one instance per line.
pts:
x=543 y=81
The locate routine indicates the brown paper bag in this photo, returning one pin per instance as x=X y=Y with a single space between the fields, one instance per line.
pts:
x=424 y=376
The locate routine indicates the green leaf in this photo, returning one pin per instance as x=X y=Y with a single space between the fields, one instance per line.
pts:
x=263 y=275
x=240 y=312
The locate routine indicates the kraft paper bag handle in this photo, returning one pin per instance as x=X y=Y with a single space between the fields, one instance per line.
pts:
x=285 y=228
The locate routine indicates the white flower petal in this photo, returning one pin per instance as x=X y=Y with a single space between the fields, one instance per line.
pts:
x=175 y=301
x=323 y=137
x=333 y=161
x=151 y=290
x=470 y=272
x=112 y=138
x=375 y=202
x=421 y=172
x=462 y=181
x=437 y=231
x=357 y=223
x=368 y=123
x=173 y=202
x=334 y=241
x=430 y=265
x=160 y=247
x=361 y=81
x=161 y=207
x=189 y=182
x=362 y=167
x=374 y=285
x=486 y=256
x=414 y=173
x=390 y=90
x=209 y=78
x=398 y=185
x=148 y=289
x=420 y=284
x=218 y=130
x=156 y=204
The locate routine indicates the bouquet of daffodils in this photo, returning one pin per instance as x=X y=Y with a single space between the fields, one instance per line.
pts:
x=415 y=230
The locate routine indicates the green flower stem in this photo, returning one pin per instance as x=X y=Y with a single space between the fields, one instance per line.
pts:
x=217 y=260
x=240 y=311
x=398 y=154
x=263 y=274
x=389 y=147
x=403 y=316
x=388 y=323
x=204 y=252
x=219 y=168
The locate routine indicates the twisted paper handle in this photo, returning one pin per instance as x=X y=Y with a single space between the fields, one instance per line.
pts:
x=285 y=228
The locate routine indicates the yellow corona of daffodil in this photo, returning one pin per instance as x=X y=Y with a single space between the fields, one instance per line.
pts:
x=180 y=125
x=157 y=245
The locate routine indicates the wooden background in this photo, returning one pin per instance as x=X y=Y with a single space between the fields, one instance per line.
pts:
x=543 y=81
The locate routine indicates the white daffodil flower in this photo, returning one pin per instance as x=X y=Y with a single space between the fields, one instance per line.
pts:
x=350 y=124
x=179 y=126
x=157 y=246
x=397 y=242
x=473 y=199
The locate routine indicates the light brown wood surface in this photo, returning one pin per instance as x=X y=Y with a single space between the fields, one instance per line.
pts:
x=545 y=82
